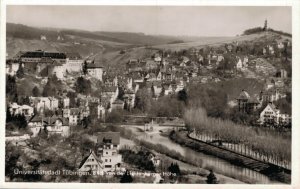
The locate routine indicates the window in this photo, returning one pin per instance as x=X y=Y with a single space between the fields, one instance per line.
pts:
x=105 y=160
x=107 y=166
x=106 y=152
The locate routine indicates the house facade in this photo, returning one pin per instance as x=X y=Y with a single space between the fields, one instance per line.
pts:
x=108 y=144
x=25 y=110
x=95 y=70
x=246 y=103
x=272 y=115
x=74 y=62
x=42 y=103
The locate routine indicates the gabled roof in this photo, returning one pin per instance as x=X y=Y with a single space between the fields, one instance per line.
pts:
x=253 y=100
x=272 y=106
x=92 y=153
x=244 y=95
x=36 y=118
x=52 y=120
x=94 y=65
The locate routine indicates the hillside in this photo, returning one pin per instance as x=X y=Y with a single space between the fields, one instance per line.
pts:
x=86 y=43
x=215 y=41
x=33 y=33
x=258 y=30
x=141 y=38
x=234 y=87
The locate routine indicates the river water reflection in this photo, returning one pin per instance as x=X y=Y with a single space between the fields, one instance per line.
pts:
x=206 y=161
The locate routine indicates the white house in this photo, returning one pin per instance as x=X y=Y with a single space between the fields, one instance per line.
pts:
x=41 y=103
x=270 y=114
x=36 y=125
x=239 y=64
x=12 y=68
x=280 y=45
x=107 y=149
x=73 y=62
x=53 y=125
x=157 y=59
x=101 y=112
x=95 y=70
x=66 y=102
x=112 y=92
x=271 y=49
x=59 y=70
x=57 y=125
x=16 y=109
x=92 y=163
x=73 y=114
x=43 y=38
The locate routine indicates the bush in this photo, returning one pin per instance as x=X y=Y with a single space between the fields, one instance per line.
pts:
x=140 y=159
x=126 y=178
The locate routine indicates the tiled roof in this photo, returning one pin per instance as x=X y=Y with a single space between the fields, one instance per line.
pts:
x=73 y=56
x=94 y=65
x=36 y=118
x=40 y=54
x=118 y=102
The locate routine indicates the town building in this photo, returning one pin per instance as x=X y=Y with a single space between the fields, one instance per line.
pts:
x=42 y=103
x=118 y=104
x=246 y=103
x=74 y=62
x=50 y=125
x=25 y=110
x=108 y=144
x=12 y=68
x=95 y=70
x=92 y=163
x=271 y=115
x=36 y=56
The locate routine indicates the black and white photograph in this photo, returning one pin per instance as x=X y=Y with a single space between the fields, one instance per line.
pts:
x=148 y=94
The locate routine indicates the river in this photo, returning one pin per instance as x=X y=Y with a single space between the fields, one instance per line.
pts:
x=206 y=161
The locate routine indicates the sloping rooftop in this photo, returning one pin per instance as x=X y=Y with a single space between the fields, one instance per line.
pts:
x=244 y=95
x=94 y=65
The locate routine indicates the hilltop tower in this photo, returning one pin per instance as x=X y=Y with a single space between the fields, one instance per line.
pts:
x=266 y=25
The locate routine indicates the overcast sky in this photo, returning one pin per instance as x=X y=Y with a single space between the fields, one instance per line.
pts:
x=165 y=20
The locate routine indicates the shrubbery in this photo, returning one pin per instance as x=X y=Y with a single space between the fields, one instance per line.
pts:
x=141 y=159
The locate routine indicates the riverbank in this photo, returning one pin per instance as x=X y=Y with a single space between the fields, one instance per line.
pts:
x=273 y=172
x=228 y=173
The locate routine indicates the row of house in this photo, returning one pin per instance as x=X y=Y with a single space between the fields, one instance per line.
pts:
x=56 y=63
x=249 y=104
